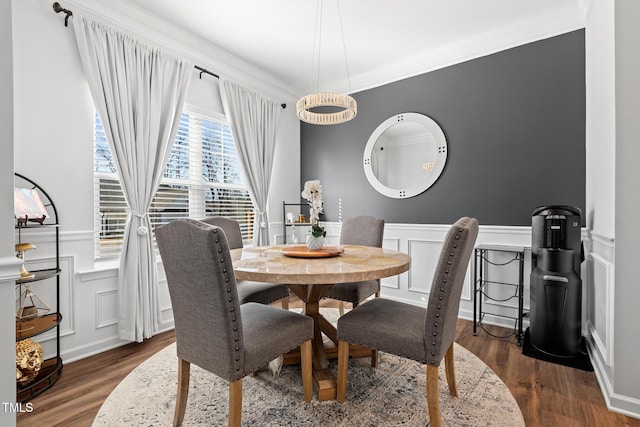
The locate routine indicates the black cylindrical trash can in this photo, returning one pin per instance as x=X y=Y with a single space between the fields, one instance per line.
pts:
x=555 y=286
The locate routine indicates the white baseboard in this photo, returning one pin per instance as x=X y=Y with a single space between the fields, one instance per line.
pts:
x=91 y=349
x=615 y=402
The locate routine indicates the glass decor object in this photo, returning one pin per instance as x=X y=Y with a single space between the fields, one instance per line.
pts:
x=29 y=305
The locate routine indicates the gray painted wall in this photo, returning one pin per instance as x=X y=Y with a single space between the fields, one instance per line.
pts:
x=515 y=126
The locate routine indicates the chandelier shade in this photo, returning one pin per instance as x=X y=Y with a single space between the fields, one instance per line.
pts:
x=327 y=108
x=346 y=105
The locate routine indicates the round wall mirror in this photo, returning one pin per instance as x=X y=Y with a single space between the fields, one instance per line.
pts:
x=405 y=155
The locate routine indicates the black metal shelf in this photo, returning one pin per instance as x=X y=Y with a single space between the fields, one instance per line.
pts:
x=39 y=275
x=39 y=325
x=35 y=226
x=481 y=290
x=301 y=208
x=51 y=368
x=49 y=373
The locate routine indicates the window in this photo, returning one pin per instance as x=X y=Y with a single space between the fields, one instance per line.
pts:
x=202 y=178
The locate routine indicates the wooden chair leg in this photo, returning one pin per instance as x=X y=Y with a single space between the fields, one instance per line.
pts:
x=341 y=307
x=235 y=403
x=433 y=396
x=374 y=358
x=451 y=372
x=285 y=303
x=343 y=366
x=184 y=368
x=306 y=360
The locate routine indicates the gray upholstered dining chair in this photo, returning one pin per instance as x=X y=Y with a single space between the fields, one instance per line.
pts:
x=358 y=230
x=418 y=333
x=249 y=291
x=213 y=330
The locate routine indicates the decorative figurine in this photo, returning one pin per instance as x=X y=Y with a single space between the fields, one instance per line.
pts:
x=29 y=305
x=21 y=248
x=28 y=360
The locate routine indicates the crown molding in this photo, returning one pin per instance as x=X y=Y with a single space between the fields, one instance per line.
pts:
x=181 y=43
x=519 y=33
x=585 y=6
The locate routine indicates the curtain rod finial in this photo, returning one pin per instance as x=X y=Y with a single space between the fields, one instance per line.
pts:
x=57 y=8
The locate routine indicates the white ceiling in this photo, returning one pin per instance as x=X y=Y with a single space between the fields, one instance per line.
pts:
x=384 y=39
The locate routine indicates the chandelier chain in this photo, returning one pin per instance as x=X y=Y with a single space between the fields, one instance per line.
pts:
x=344 y=46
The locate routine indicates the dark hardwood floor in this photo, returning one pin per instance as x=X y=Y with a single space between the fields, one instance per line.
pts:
x=548 y=394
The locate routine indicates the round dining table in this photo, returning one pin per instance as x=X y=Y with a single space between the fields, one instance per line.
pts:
x=309 y=275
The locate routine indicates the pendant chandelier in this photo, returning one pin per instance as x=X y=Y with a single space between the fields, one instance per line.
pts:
x=326 y=108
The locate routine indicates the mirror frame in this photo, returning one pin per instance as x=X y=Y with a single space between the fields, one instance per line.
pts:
x=440 y=161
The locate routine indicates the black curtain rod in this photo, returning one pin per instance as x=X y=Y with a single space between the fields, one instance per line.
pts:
x=57 y=9
x=204 y=70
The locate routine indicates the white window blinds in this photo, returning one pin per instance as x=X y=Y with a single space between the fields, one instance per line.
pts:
x=202 y=179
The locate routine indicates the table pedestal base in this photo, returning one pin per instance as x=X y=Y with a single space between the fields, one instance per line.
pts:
x=323 y=349
x=324 y=382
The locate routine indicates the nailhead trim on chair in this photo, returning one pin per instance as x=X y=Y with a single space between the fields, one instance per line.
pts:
x=233 y=319
x=236 y=337
x=452 y=254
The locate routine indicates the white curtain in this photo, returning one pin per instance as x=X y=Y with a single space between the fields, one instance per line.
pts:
x=139 y=94
x=254 y=122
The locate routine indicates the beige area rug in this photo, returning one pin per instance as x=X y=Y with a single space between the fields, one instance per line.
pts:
x=393 y=394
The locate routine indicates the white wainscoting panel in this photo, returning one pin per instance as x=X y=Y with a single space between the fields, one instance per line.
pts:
x=600 y=290
x=106 y=308
x=392 y=282
x=95 y=308
x=166 y=312
x=424 y=259
x=601 y=320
